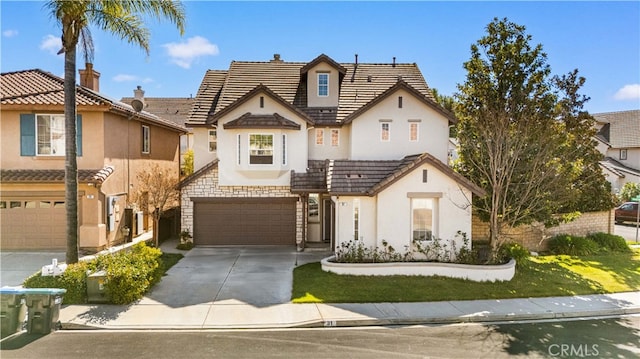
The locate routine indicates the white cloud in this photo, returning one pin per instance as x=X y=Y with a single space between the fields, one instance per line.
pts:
x=131 y=78
x=10 y=33
x=124 y=78
x=184 y=53
x=51 y=44
x=628 y=92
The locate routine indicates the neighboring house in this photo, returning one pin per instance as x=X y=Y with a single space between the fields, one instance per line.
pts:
x=293 y=152
x=175 y=109
x=114 y=144
x=619 y=141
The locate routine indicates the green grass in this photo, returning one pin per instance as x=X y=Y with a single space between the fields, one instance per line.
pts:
x=168 y=261
x=544 y=276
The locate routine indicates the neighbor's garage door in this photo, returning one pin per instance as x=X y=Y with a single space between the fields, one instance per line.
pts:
x=246 y=221
x=33 y=224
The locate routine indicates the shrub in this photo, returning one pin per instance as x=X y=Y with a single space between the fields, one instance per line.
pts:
x=610 y=242
x=185 y=246
x=73 y=280
x=512 y=250
x=573 y=245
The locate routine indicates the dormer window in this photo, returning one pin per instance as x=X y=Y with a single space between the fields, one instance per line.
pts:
x=323 y=84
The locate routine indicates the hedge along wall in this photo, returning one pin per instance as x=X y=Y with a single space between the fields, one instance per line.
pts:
x=535 y=237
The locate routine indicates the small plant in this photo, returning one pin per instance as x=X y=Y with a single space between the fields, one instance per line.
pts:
x=610 y=242
x=512 y=250
x=573 y=245
x=186 y=240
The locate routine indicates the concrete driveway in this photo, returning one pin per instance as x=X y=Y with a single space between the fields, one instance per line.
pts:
x=17 y=266
x=257 y=275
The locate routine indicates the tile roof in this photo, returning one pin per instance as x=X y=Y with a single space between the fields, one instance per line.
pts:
x=360 y=83
x=174 y=109
x=54 y=176
x=249 y=120
x=352 y=177
x=624 y=127
x=618 y=168
x=29 y=88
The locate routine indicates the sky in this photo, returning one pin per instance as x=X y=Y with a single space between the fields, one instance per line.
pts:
x=600 y=39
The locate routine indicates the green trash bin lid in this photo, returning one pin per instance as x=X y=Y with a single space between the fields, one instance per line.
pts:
x=45 y=291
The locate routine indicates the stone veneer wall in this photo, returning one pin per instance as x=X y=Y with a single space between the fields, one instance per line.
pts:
x=535 y=237
x=207 y=186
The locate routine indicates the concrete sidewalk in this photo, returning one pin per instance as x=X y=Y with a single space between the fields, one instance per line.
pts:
x=288 y=315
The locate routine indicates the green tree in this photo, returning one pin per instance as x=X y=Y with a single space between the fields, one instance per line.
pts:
x=448 y=103
x=515 y=133
x=628 y=191
x=121 y=18
x=187 y=163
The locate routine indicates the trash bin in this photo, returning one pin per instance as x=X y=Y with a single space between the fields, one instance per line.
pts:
x=12 y=311
x=96 y=292
x=43 y=309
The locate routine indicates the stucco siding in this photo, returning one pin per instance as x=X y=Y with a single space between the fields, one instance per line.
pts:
x=313 y=100
x=327 y=150
x=366 y=143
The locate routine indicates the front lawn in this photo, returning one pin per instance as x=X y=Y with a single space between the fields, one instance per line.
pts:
x=554 y=275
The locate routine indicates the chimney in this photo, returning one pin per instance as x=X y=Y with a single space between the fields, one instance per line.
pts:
x=90 y=78
x=138 y=93
x=276 y=58
x=394 y=62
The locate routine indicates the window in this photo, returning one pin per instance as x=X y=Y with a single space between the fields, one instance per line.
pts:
x=335 y=137
x=385 y=131
x=146 y=139
x=284 y=150
x=44 y=135
x=319 y=136
x=213 y=140
x=50 y=135
x=260 y=149
x=623 y=154
x=15 y=204
x=323 y=85
x=356 y=219
x=422 y=218
x=399 y=101
x=413 y=131
x=314 y=207
x=3 y=205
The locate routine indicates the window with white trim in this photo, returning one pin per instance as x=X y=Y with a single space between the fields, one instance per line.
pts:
x=146 y=139
x=261 y=149
x=319 y=136
x=323 y=84
x=422 y=218
x=356 y=219
x=413 y=131
x=213 y=140
x=385 y=131
x=50 y=135
x=335 y=137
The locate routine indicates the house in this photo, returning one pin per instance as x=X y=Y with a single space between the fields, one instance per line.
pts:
x=174 y=109
x=292 y=153
x=619 y=141
x=114 y=141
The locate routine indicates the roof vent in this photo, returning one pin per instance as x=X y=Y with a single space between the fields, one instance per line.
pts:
x=369 y=78
x=394 y=62
x=276 y=58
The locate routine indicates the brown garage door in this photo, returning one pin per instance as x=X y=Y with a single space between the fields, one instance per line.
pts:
x=247 y=221
x=33 y=224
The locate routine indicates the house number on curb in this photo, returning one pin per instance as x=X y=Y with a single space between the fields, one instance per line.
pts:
x=330 y=323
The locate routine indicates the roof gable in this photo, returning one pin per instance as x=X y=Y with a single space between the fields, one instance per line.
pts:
x=326 y=59
x=249 y=120
x=260 y=89
x=623 y=129
x=401 y=85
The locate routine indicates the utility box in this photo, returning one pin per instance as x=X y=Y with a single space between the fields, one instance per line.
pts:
x=12 y=311
x=43 y=309
x=96 y=291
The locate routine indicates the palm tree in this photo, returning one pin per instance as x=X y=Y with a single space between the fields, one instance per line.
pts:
x=121 y=18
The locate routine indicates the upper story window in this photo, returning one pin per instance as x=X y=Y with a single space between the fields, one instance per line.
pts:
x=146 y=139
x=413 y=131
x=323 y=84
x=213 y=140
x=385 y=131
x=261 y=149
x=44 y=135
x=335 y=137
x=50 y=134
x=623 y=154
x=319 y=136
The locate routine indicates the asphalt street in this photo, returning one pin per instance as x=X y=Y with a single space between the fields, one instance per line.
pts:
x=606 y=338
